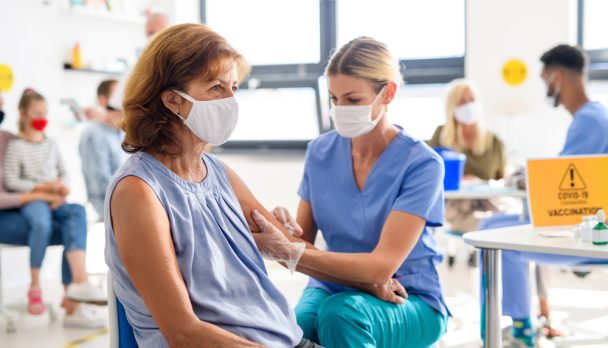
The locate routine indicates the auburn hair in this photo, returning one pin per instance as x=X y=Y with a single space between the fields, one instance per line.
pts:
x=173 y=58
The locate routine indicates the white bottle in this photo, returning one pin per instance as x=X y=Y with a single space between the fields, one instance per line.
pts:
x=587 y=229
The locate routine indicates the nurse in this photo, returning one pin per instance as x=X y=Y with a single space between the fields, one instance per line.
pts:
x=564 y=75
x=375 y=193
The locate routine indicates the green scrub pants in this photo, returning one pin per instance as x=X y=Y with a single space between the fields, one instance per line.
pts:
x=357 y=319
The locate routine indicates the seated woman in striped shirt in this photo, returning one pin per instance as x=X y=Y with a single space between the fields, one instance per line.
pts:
x=32 y=164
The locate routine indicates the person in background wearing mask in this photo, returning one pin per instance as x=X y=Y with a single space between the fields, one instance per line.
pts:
x=464 y=132
x=34 y=213
x=564 y=69
x=100 y=148
x=375 y=193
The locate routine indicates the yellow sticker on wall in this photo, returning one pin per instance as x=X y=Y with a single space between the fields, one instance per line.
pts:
x=6 y=78
x=564 y=189
x=514 y=72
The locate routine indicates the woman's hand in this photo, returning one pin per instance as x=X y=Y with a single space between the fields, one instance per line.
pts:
x=54 y=200
x=284 y=217
x=273 y=244
x=56 y=187
x=392 y=291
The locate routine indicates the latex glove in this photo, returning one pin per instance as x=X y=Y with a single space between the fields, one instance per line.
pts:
x=273 y=244
x=282 y=214
x=392 y=291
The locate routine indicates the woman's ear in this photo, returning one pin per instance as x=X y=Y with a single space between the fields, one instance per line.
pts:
x=171 y=100
x=390 y=92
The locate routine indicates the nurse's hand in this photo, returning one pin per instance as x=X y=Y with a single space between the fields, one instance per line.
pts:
x=273 y=244
x=282 y=214
x=392 y=291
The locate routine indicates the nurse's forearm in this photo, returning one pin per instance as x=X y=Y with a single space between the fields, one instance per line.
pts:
x=355 y=267
x=329 y=278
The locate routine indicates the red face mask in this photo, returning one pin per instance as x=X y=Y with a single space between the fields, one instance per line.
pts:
x=40 y=124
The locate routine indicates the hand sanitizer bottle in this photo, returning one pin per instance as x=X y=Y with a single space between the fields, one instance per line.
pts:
x=599 y=231
x=586 y=228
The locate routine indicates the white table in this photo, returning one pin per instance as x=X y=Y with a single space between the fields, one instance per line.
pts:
x=484 y=192
x=521 y=238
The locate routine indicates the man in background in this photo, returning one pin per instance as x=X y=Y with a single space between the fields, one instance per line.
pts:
x=100 y=147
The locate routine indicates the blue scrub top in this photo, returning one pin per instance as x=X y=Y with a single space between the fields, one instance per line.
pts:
x=588 y=133
x=407 y=177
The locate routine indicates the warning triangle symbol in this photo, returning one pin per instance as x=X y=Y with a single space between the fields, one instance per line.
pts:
x=572 y=180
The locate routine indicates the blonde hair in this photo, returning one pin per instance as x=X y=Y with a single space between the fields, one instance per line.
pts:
x=367 y=59
x=28 y=97
x=451 y=135
x=175 y=57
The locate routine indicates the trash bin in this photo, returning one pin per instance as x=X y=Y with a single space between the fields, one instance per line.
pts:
x=454 y=167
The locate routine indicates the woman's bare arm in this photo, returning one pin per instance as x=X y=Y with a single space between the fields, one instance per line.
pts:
x=143 y=236
x=249 y=203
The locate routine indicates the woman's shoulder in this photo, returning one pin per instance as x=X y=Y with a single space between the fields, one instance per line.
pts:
x=6 y=135
x=494 y=141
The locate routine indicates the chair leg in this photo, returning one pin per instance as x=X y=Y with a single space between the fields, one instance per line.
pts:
x=10 y=322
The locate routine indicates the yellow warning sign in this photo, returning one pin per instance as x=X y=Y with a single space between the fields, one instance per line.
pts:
x=514 y=72
x=563 y=190
x=572 y=180
x=6 y=78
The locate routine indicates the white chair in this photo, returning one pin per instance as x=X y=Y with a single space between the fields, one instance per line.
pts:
x=5 y=308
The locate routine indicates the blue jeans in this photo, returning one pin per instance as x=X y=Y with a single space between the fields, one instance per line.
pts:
x=37 y=226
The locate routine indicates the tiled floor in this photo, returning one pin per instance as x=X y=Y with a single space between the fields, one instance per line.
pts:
x=579 y=304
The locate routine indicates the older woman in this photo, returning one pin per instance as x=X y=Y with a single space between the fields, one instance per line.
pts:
x=185 y=265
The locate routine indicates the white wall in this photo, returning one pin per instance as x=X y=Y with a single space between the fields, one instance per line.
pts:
x=36 y=40
x=502 y=30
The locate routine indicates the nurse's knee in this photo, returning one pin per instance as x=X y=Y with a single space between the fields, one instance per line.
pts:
x=342 y=312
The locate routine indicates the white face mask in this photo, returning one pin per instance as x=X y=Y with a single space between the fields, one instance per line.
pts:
x=552 y=100
x=356 y=120
x=467 y=113
x=212 y=121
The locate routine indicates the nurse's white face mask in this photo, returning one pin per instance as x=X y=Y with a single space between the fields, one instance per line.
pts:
x=468 y=113
x=352 y=121
x=212 y=121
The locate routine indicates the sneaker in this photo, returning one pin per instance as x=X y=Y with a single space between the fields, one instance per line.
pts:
x=86 y=292
x=84 y=317
x=35 y=305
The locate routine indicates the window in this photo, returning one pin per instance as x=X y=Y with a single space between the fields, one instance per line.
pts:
x=592 y=28
x=595 y=25
x=419 y=109
x=411 y=29
x=264 y=37
x=277 y=114
x=288 y=44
